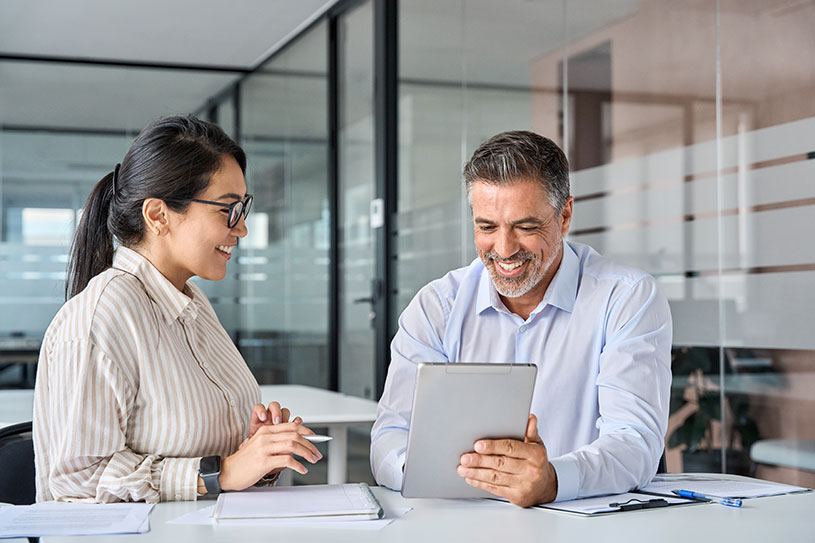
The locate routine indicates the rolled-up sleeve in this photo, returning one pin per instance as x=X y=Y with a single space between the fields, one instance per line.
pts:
x=81 y=411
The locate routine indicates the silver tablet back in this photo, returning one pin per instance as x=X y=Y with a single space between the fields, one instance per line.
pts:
x=455 y=405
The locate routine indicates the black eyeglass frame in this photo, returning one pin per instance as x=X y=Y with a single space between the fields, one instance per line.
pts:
x=233 y=216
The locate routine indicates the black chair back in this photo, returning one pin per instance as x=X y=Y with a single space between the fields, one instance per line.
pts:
x=17 y=464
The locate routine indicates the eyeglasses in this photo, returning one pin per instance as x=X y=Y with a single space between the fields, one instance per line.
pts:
x=236 y=209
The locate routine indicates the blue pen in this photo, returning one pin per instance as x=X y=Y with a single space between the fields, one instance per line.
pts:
x=690 y=494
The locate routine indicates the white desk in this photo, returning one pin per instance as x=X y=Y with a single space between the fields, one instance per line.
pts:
x=781 y=518
x=317 y=407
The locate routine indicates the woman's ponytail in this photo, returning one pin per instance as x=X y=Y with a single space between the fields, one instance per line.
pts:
x=92 y=247
x=173 y=159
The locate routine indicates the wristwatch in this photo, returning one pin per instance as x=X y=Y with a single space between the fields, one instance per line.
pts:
x=210 y=470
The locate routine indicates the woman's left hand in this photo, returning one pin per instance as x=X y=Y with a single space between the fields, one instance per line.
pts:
x=274 y=414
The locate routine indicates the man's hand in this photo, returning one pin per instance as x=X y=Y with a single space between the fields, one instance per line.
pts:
x=519 y=471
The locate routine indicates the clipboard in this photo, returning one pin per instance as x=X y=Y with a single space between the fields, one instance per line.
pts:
x=616 y=503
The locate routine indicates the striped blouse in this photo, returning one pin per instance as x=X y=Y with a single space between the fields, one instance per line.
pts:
x=136 y=382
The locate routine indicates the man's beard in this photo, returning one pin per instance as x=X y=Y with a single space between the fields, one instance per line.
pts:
x=515 y=287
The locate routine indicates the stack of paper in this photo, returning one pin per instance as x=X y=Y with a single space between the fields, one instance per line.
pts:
x=58 y=519
x=718 y=485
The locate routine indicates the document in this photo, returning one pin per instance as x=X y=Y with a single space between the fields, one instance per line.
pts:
x=629 y=501
x=717 y=485
x=203 y=517
x=58 y=519
x=347 y=502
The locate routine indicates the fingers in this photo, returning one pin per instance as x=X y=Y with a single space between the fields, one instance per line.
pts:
x=504 y=464
x=491 y=476
x=291 y=463
x=297 y=420
x=501 y=491
x=303 y=449
x=286 y=427
x=508 y=447
x=259 y=413
x=288 y=443
x=286 y=414
x=532 y=435
x=276 y=413
x=259 y=417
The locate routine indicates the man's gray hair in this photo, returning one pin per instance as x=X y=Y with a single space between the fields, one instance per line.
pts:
x=510 y=157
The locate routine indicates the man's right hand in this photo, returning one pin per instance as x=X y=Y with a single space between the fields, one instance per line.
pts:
x=270 y=450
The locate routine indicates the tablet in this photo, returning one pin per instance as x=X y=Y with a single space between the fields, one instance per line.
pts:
x=455 y=405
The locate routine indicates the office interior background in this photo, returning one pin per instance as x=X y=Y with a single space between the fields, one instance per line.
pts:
x=689 y=125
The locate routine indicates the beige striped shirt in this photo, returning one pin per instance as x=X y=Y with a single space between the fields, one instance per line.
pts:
x=136 y=382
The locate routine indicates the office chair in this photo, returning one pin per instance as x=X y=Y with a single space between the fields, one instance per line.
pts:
x=17 y=466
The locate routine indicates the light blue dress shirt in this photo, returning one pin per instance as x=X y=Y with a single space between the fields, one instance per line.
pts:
x=601 y=339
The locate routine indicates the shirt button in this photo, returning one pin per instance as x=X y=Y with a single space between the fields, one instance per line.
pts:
x=178 y=497
x=232 y=403
x=522 y=328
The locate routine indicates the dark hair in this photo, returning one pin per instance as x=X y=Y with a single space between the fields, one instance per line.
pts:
x=510 y=157
x=172 y=159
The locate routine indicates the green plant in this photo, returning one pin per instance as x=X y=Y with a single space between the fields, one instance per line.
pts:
x=699 y=366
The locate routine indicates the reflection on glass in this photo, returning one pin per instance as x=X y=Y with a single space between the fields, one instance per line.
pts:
x=629 y=88
x=768 y=128
x=282 y=264
x=456 y=90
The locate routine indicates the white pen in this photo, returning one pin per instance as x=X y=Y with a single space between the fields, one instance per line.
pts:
x=318 y=439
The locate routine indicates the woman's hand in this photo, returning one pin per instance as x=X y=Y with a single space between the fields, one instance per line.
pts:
x=269 y=450
x=274 y=414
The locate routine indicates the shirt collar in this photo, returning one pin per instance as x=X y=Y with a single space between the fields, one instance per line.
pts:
x=171 y=302
x=562 y=291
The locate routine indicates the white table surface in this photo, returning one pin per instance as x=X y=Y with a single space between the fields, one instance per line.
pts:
x=780 y=518
x=317 y=407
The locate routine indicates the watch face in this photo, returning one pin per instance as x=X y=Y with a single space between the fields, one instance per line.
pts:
x=210 y=464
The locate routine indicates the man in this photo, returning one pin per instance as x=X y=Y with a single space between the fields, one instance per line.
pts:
x=599 y=333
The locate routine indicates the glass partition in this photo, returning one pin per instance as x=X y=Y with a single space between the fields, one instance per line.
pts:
x=62 y=128
x=282 y=272
x=689 y=131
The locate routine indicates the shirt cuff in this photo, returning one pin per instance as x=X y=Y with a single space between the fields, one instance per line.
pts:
x=391 y=472
x=568 y=478
x=179 y=479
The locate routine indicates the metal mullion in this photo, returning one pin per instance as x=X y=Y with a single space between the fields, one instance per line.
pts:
x=386 y=54
x=333 y=206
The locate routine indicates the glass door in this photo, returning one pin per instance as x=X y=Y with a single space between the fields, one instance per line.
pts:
x=356 y=240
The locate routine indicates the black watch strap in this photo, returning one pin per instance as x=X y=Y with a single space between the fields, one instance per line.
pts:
x=210 y=470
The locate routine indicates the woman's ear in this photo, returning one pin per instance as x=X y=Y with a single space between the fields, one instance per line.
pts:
x=154 y=213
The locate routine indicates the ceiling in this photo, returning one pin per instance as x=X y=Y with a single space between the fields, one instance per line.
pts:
x=478 y=41
x=207 y=33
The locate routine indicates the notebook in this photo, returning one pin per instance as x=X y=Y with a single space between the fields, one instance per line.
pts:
x=353 y=501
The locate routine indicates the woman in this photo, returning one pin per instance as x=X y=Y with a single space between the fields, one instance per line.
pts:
x=140 y=393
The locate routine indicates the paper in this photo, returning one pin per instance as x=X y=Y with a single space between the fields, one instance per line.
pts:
x=717 y=485
x=348 y=501
x=56 y=519
x=600 y=504
x=204 y=517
